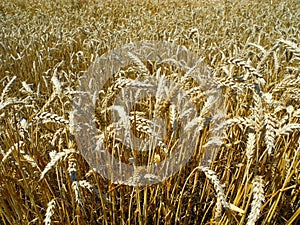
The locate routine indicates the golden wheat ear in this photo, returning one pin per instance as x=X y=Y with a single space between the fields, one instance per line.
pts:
x=258 y=199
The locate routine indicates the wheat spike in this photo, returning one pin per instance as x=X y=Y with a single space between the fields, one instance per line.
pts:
x=173 y=116
x=23 y=127
x=258 y=199
x=27 y=87
x=126 y=82
x=241 y=63
x=141 y=66
x=49 y=212
x=228 y=82
x=258 y=109
x=262 y=62
x=29 y=159
x=250 y=147
x=270 y=134
x=296 y=113
x=11 y=149
x=201 y=119
x=291 y=46
x=6 y=89
x=211 y=175
x=72 y=167
x=77 y=192
x=46 y=117
x=288 y=128
x=55 y=157
x=241 y=121
x=86 y=184
x=261 y=48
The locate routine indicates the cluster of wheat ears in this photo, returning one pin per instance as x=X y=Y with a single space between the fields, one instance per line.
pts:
x=252 y=54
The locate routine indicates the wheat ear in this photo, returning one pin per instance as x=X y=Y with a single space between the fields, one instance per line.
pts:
x=258 y=199
x=49 y=212
x=211 y=175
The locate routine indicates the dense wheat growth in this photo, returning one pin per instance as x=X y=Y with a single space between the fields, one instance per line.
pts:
x=251 y=50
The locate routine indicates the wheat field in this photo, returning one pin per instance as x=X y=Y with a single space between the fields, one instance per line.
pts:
x=251 y=50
